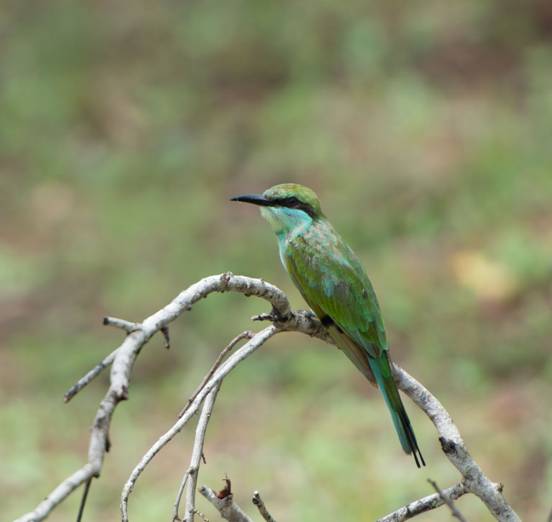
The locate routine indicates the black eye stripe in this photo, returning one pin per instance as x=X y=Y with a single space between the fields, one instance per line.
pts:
x=293 y=202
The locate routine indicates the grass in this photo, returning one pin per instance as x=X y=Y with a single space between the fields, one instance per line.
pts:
x=425 y=130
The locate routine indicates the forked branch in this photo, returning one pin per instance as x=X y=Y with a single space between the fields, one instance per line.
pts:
x=283 y=319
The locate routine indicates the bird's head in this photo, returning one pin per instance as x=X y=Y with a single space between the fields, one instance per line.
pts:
x=286 y=206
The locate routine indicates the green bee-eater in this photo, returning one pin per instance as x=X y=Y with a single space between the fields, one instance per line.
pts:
x=333 y=282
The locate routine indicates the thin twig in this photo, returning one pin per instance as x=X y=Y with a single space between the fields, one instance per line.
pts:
x=123 y=359
x=454 y=448
x=83 y=499
x=448 y=501
x=189 y=481
x=258 y=501
x=123 y=324
x=166 y=336
x=128 y=327
x=248 y=334
x=90 y=376
x=225 y=505
x=179 y=493
x=424 y=504
x=201 y=515
x=225 y=368
x=197 y=452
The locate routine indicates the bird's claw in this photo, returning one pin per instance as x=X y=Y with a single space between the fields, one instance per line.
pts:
x=274 y=317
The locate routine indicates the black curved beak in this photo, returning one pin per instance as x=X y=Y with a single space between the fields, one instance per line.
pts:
x=255 y=199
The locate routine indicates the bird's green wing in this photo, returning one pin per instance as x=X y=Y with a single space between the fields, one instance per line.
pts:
x=333 y=282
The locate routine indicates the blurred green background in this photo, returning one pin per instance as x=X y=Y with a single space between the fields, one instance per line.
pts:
x=426 y=129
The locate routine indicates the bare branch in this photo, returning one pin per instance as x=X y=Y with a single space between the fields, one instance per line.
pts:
x=225 y=505
x=258 y=501
x=123 y=324
x=123 y=358
x=90 y=376
x=453 y=447
x=83 y=499
x=166 y=336
x=60 y=493
x=192 y=473
x=201 y=515
x=226 y=367
x=248 y=334
x=283 y=319
x=424 y=504
x=303 y=321
x=448 y=501
x=180 y=492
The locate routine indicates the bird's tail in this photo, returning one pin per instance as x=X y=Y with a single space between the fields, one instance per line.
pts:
x=383 y=374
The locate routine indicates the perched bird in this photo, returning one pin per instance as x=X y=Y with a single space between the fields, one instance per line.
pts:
x=333 y=282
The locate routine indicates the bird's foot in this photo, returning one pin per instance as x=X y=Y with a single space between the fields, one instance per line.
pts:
x=274 y=317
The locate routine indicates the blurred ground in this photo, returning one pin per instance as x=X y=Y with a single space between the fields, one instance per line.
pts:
x=424 y=126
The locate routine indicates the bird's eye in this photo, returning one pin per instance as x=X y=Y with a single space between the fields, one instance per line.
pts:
x=290 y=202
x=293 y=202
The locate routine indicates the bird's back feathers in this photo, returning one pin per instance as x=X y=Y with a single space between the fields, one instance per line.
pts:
x=333 y=282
